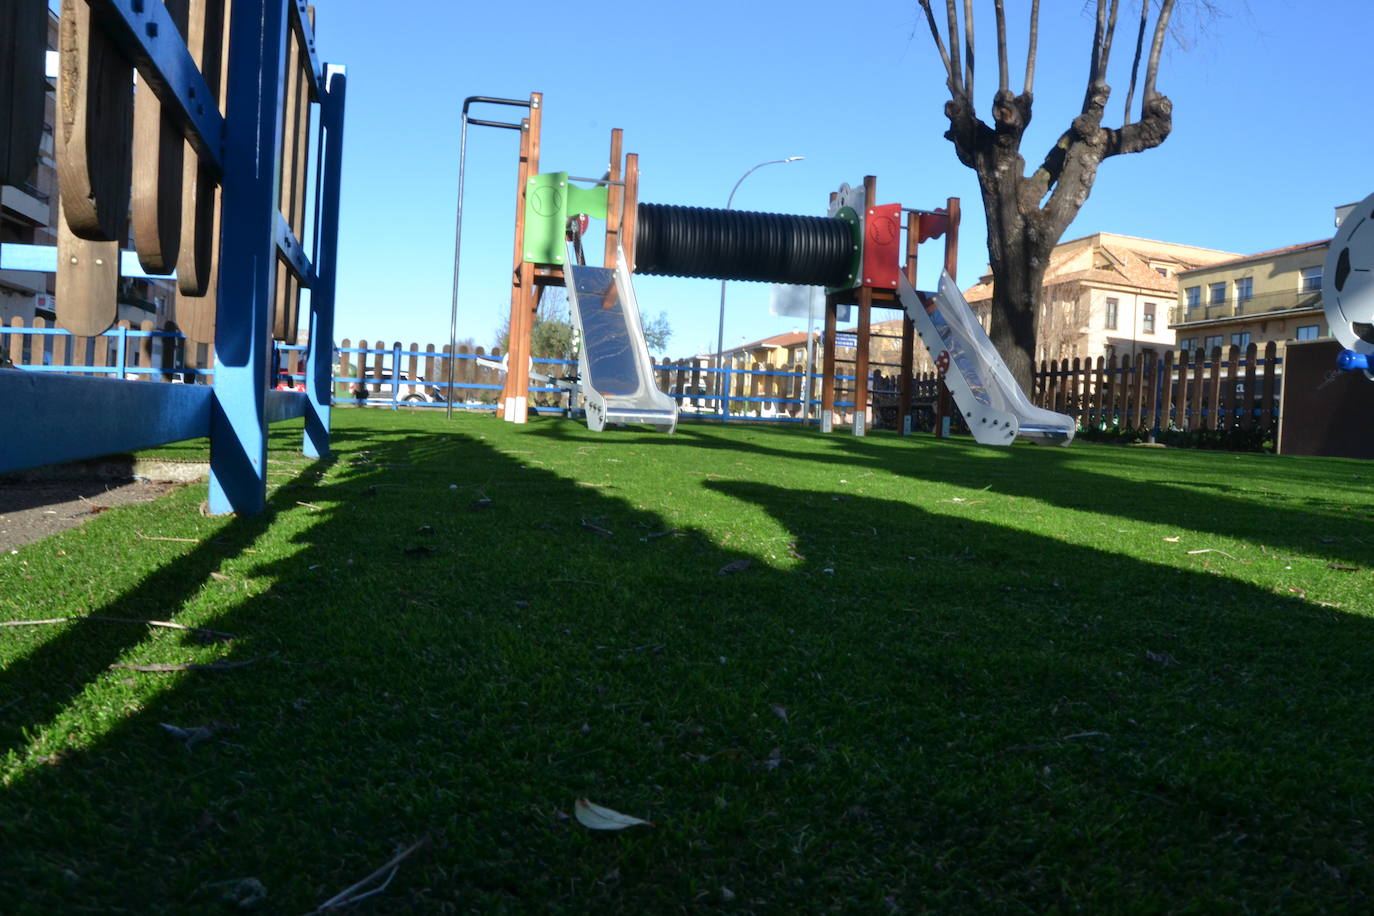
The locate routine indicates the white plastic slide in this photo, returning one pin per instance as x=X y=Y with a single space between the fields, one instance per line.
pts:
x=615 y=371
x=994 y=406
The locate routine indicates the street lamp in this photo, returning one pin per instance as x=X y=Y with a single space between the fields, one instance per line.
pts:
x=720 y=330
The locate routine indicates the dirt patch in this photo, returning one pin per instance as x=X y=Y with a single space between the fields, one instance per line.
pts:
x=32 y=510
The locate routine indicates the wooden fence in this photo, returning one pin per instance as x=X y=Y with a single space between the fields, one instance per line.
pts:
x=142 y=352
x=378 y=369
x=1228 y=389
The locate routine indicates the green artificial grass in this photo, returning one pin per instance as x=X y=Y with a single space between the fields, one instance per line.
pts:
x=838 y=674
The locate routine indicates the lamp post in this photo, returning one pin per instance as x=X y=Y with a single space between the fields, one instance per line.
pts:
x=720 y=330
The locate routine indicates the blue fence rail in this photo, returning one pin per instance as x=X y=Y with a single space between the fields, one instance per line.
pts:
x=1182 y=391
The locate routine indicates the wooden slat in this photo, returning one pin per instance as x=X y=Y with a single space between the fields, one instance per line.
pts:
x=205 y=38
x=1198 y=383
x=1229 y=391
x=1213 y=418
x=295 y=160
x=615 y=197
x=94 y=128
x=158 y=159
x=87 y=281
x=145 y=351
x=1247 y=419
x=1270 y=377
x=23 y=40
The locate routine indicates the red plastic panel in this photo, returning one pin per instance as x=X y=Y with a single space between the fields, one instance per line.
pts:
x=882 y=246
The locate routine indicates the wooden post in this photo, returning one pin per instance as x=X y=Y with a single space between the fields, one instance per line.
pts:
x=630 y=220
x=1247 y=420
x=515 y=391
x=828 y=365
x=863 y=336
x=1267 y=398
x=908 y=330
x=1195 y=400
x=1229 y=395
x=942 y=399
x=615 y=197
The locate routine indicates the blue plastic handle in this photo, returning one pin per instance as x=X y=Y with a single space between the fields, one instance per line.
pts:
x=1349 y=359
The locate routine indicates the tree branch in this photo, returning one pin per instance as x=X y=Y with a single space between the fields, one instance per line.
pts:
x=1135 y=62
x=1157 y=46
x=1003 y=82
x=952 y=15
x=1095 y=59
x=968 y=47
x=1031 y=44
x=950 y=80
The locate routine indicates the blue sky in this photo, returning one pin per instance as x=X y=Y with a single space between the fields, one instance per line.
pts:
x=1271 y=132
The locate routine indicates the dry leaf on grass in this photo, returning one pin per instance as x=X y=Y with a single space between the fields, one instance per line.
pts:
x=736 y=566
x=595 y=817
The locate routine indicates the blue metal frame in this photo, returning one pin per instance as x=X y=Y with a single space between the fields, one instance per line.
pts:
x=100 y=416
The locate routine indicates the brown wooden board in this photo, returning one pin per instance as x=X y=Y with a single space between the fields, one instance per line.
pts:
x=87 y=281
x=23 y=40
x=158 y=156
x=200 y=192
x=1326 y=411
x=95 y=102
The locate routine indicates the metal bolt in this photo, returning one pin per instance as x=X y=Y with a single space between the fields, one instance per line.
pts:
x=99 y=262
x=73 y=260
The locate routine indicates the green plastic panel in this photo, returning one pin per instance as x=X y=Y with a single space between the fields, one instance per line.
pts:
x=549 y=199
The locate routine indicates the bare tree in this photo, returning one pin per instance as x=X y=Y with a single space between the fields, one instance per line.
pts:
x=1028 y=213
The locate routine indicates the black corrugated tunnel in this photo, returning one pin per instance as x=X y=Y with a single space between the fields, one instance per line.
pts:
x=673 y=241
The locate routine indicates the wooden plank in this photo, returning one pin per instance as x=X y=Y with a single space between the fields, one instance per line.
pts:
x=1110 y=416
x=1229 y=420
x=1198 y=383
x=1213 y=396
x=1270 y=378
x=205 y=38
x=23 y=41
x=87 y=281
x=95 y=103
x=1247 y=418
x=828 y=365
x=286 y=176
x=145 y=351
x=629 y=223
x=615 y=198
x=158 y=161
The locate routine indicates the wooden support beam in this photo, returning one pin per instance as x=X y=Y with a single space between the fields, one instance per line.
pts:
x=615 y=198
x=630 y=222
x=862 y=340
x=908 y=331
x=514 y=405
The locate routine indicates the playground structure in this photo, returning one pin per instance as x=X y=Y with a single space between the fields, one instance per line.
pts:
x=855 y=253
x=1348 y=288
x=208 y=158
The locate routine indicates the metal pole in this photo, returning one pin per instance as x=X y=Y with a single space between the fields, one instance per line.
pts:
x=720 y=329
x=457 y=252
x=458 y=229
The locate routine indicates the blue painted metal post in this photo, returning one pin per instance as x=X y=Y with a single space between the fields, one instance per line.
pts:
x=248 y=256
x=319 y=366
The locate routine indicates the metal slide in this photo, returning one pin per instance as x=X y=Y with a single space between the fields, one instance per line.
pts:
x=615 y=371
x=994 y=406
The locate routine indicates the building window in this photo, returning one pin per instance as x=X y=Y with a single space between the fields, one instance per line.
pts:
x=1211 y=343
x=1241 y=340
x=1113 y=308
x=1147 y=322
x=1161 y=269
x=1308 y=331
x=1216 y=293
x=1187 y=343
x=1192 y=297
x=1245 y=289
x=1311 y=280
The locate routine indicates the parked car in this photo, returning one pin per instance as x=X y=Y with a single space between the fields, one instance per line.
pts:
x=379 y=387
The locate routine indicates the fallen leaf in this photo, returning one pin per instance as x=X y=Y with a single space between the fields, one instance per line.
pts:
x=218 y=576
x=1161 y=658
x=774 y=759
x=780 y=711
x=479 y=505
x=595 y=817
x=1342 y=567
x=194 y=735
x=597 y=529
x=420 y=550
x=734 y=567
x=427 y=530
x=1172 y=540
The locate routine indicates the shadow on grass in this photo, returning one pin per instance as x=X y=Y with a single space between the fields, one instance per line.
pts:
x=458 y=644
x=1335 y=524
